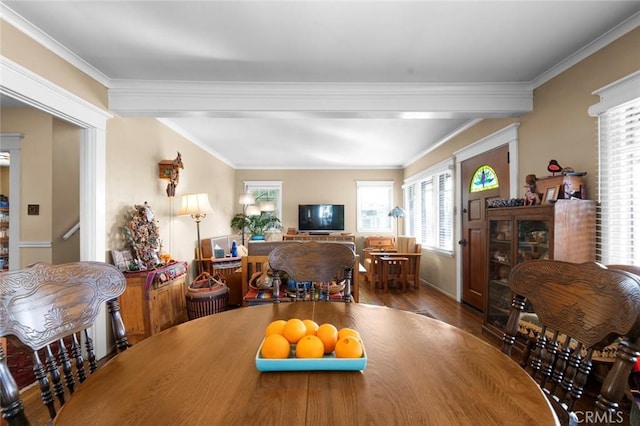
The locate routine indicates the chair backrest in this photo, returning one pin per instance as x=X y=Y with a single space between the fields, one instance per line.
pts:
x=49 y=309
x=311 y=261
x=380 y=242
x=580 y=308
x=406 y=244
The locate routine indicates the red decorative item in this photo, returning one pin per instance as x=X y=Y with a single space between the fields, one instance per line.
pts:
x=554 y=167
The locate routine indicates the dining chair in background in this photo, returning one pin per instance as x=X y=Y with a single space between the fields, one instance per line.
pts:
x=375 y=243
x=315 y=262
x=581 y=308
x=49 y=309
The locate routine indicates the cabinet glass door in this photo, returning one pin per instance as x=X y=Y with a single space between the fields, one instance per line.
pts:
x=533 y=243
x=500 y=261
x=533 y=240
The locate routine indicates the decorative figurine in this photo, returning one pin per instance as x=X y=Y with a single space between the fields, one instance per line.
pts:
x=554 y=167
x=174 y=175
x=531 y=196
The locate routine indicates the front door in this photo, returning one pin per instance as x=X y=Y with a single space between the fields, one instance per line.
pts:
x=484 y=177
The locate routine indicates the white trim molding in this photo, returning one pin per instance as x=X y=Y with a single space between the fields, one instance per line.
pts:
x=45 y=40
x=616 y=93
x=11 y=143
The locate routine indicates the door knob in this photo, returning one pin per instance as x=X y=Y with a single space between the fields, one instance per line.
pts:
x=462 y=242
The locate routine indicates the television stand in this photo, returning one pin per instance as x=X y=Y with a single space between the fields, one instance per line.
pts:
x=319 y=233
x=336 y=236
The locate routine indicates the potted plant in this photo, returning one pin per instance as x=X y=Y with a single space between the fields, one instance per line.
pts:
x=257 y=225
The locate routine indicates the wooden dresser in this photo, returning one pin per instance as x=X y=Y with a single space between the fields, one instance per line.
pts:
x=154 y=300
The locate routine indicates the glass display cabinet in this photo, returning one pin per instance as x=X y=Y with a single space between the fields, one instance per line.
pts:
x=564 y=230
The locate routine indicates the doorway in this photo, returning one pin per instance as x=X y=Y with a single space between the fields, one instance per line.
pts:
x=33 y=90
x=495 y=155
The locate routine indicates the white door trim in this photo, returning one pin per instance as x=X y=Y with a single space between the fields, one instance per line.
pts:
x=20 y=83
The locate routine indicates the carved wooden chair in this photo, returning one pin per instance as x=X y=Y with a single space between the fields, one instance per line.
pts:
x=581 y=308
x=48 y=309
x=311 y=261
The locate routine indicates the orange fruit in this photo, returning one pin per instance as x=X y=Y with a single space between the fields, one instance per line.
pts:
x=348 y=347
x=274 y=327
x=328 y=333
x=309 y=347
x=312 y=327
x=346 y=331
x=275 y=346
x=294 y=329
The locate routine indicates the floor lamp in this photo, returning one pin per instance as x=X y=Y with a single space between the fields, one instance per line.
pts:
x=246 y=200
x=397 y=212
x=196 y=206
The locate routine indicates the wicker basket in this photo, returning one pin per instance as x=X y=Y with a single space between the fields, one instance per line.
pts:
x=207 y=295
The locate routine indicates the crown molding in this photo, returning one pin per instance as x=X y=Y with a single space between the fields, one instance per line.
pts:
x=32 y=89
x=629 y=25
x=15 y=19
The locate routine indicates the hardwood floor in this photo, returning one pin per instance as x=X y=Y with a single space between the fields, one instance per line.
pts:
x=426 y=300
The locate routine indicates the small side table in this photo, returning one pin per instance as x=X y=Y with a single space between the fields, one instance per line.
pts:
x=393 y=268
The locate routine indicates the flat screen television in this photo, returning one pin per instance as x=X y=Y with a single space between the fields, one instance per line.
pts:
x=320 y=218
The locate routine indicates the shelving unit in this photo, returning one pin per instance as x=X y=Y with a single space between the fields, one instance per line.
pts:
x=561 y=231
x=4 y=238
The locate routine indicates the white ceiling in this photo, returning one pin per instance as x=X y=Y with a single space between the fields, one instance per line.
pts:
x=322 y=84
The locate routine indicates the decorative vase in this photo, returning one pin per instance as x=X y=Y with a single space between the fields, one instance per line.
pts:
x=257 y=237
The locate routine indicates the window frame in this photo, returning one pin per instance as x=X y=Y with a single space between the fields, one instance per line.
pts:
x=618 y=114
x=382 y=213
x=266 y=185
x=438 y=183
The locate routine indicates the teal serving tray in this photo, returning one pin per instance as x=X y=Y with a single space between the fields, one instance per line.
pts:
x=326 y=363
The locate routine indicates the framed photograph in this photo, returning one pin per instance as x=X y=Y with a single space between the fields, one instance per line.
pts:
x=122 y=259
x=550 y=195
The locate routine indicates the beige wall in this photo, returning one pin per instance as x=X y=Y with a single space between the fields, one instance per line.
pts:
x=135 y=146
x=35 y=177
x=49 y=173
x=320 y=186
x=30 y=54
x=4 y=181
x=66 y=191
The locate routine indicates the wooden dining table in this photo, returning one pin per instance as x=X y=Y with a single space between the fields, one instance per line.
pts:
x=419 y=371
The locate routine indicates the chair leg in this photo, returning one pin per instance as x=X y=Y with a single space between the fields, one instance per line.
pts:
x=384 y=277
x=403 y=266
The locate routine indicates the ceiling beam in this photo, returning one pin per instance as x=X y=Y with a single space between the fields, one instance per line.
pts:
x=359 y=100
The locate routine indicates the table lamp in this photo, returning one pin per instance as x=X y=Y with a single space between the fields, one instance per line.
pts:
x=397 y=212
x=196 y=206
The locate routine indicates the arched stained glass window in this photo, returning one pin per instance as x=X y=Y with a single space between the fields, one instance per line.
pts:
x=483 y=179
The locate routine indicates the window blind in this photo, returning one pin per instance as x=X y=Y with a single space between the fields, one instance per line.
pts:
x=619 y=189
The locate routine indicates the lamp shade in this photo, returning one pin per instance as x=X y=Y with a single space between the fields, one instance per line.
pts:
x=253 y=210
x=397 y=212
x=267 y=206
x=246 y=198
x=196 y=205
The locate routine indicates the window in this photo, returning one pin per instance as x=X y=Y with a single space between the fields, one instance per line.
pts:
x=484 y=178
x=619 y=164
x=267 y=191
x=429 y=201
x=375 y=201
